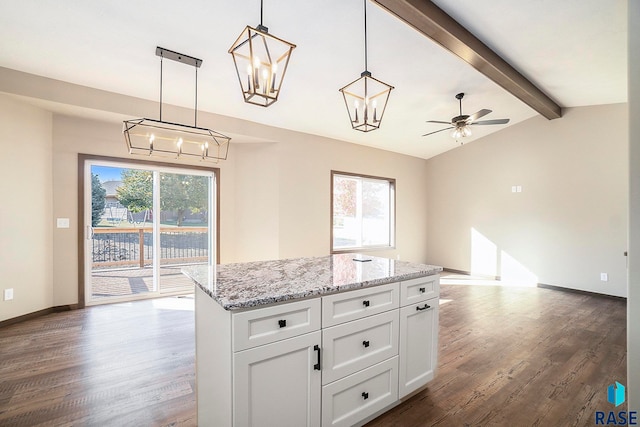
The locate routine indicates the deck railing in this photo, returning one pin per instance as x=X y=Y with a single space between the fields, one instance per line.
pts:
x=115 y=247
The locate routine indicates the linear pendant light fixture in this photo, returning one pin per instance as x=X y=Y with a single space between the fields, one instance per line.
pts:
x=158 y=137
x=261 y=61
x=366 y=98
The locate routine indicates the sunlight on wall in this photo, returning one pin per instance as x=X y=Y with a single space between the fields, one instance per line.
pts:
x=487 y=260
x=514 y=273
x=484 y=255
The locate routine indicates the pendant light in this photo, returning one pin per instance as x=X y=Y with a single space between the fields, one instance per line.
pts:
x=261 y=61
x=158 y=137
x=366 y=98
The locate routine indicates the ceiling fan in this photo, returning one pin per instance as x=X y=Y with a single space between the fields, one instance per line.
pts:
x=460 y=124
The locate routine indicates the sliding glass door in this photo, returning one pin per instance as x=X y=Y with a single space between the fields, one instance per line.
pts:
x=142 y=225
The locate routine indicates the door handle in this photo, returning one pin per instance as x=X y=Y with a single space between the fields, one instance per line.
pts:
x=317 y=365
x=426 y=306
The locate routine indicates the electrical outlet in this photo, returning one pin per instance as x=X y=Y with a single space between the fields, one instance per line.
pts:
x=604 y=277
x=8 y=294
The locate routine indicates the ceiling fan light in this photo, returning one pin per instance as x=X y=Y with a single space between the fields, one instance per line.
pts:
x=466 y=131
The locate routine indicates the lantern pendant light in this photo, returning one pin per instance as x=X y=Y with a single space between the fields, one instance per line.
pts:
x=366 y=98
x=161 y=138
x=261 y=61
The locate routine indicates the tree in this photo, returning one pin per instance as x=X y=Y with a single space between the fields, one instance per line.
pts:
x=98 y=194
x=180 y=193
x=136 y=191
x=183 y=193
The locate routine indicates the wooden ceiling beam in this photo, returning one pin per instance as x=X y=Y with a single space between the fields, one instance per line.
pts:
x=435 y=23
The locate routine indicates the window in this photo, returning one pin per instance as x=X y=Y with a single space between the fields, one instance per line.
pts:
x=362 y=212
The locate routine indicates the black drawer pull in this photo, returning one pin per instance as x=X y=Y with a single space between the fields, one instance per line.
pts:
x=422 y=290
x=426 y=306
x=365 y=303
x=317 y=365
x=282 y=323
x=365 y=396
x=365 y=343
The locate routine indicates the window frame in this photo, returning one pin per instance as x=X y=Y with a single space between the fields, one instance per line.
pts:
x=392 y=213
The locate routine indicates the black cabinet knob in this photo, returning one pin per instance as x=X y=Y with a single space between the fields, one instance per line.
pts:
x=365 y=303
x=365 y=396
x=422 y=290
x=365 y=343
x=282 y=323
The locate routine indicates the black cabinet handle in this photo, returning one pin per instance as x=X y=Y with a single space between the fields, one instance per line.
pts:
x=282 y=323
x=317 y=365
x=422 y=290
x=365 y=303
x=426 y=306
x=365 y=396
x=365 y=343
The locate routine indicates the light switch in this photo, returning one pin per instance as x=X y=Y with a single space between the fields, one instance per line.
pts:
x=514 y=189
x=62 y=222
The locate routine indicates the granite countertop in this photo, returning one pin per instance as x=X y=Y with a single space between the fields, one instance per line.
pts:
x=252 y=284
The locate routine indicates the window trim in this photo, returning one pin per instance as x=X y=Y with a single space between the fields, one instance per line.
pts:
x=392 y=213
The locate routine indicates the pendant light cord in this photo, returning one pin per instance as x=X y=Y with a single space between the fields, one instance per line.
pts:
x=366 y=68
x=195 y=109
x=161 y=58
x=261 y=12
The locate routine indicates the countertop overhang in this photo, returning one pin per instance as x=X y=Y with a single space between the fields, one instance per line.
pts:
x=252 y=284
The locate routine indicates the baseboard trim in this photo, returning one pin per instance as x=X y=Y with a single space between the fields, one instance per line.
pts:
x=39 y=313
x=579 y=291
x=539 y=285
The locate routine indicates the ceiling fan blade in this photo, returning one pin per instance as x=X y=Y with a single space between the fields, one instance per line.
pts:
x=492 y=122
x=475 y=116
x=437 y=121
x=431 y=133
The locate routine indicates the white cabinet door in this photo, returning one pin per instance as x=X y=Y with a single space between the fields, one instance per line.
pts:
x=278 y=384
x=418 y=345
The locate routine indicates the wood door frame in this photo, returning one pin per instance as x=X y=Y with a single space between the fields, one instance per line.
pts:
x=82 y=158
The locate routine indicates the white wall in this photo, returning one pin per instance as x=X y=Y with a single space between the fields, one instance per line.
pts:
x=26 y=220
x=567 y=225
x=633 y=301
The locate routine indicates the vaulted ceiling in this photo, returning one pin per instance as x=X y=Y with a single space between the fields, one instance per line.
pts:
x=574 y=51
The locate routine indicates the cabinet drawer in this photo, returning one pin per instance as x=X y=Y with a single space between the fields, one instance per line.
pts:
x=352 y=305
x=420 y=289
x=353 y=346
x=354 y=398
x=266 y=325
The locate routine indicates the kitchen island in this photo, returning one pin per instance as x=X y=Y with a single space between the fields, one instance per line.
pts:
x=331 y=341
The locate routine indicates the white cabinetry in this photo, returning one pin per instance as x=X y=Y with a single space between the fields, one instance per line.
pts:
x=337 y=360
x=418 y=333
x=276 y=385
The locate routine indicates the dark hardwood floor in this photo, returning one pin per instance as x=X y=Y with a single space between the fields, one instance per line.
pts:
x=508 y=357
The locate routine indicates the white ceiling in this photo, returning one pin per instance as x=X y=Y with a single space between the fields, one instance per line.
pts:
x=574 y=50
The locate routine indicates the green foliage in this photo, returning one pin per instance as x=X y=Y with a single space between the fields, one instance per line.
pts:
x=178 y=193
x=183 y=192
x=136 y=191
x=98 y=194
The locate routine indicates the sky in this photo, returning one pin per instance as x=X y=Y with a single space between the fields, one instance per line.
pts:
x=107 y=173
